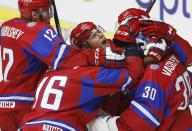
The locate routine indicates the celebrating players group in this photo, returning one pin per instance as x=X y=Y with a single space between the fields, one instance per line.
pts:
x=136 y=81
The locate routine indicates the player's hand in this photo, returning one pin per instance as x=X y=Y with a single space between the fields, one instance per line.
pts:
x=127 y=30
x=103 y=123
x=105 y=57
x=158 y=29
x=156 y=49
x=125 y=36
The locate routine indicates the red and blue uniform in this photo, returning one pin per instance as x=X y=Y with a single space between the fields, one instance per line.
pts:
x=68 y=99
x=161 y=101
x=27 y=49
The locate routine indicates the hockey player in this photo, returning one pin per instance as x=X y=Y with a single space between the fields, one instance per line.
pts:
x=86 y=37
x=89 y=40
x=67 y=101
x=158 y=29
x=21 y=39
x=143 y=27
x=161 y=101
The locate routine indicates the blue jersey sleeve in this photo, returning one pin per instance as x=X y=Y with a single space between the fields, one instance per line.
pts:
x=45 y=44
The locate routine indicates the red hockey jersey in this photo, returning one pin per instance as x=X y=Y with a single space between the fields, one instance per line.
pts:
x=162 y=99
x=20 y=68
x=68 y=99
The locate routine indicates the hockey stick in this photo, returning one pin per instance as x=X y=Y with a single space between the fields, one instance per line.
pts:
x=152 y=2
x=57 y=24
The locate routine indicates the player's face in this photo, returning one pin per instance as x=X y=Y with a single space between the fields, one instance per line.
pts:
x=46 y=13
x=43 y=15
x=97 y=39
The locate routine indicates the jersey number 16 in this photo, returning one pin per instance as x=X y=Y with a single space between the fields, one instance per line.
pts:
x=49 y=90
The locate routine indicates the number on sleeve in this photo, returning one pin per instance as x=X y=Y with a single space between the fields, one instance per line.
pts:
x=149 y=93
x=6 y=52
x=49 y=34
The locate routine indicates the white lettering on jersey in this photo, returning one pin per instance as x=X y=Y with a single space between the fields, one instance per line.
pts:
x=170 y=65
x=11 y=32
x=7 y=104
x=51 y=128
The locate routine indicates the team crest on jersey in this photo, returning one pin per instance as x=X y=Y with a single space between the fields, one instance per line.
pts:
x=31 y=24
x=154 y=66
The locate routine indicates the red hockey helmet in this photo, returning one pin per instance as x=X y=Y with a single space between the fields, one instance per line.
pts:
x=26 y=6
x=81 y=33
x=132 y=12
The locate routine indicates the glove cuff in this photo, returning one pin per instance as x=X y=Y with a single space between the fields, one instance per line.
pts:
x=131 y=49
x=134 y=52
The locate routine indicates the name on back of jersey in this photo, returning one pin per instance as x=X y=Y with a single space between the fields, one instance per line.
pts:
x=11 y=32
x=170 y=65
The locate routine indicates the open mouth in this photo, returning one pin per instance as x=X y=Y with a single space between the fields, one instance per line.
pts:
x=104 y=41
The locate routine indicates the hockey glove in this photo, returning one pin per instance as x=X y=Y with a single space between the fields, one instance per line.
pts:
x=125 y=36
x=156 y=49
x=105 y=57
x=158 y=29
x=127 y=30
